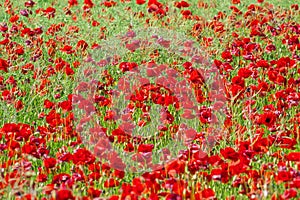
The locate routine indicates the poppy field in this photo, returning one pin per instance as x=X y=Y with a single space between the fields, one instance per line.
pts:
x=149 y=99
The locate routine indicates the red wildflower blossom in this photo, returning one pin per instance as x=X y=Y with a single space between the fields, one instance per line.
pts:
x=289 y=194
x=81 y=44
x=186 y=14
x=49 y=162
x=48 y=104
x=295 y=7
x=140 y=2
x=229 y=153
x=14 y=18
x=49 y=12
x=226 y=55
x=19 y=105
x=64 y=194
x=109 y=3
x=244 y=72
x=177 y=166
x=205 y=115
x=29 y=3
x=145 y=148
x=66 y=105
x=29 y=149
x=72 y=3
x=42 y=178
x=66 y=157
x=268 y=119
x=60 y=178
x=126 y=66
x=207 y=194
x=53 y=118
x=83 y=156
x=235 y=1
x=293 y=156
x=182 y=4
x=88 y=3
x=220 y=175
x=3 y=65
x=67 y=49
x=237 y=80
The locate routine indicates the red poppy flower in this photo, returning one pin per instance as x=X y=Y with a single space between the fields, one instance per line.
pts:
x=176 y=165
x=30 y=149
x=226 y=55
x=27 y=67
x=166 y=117
x=173 y=197
x=19 y=50
x=19 y=105
x=67 y=49
x=88 y=3
x=119 y=174
x=215 y=159
x=270 y=47
x=126 y=66
x=14 y=18
x=182 y=4
x=5 y=41
x=50 y=12
x=244 y=72
x=140 y=2
x=49 y=162
x=295 y=183
x=289 y=194
x=60 y=178
x=29 y=3
x=293 y=156
x=3 y=65
x=220 y=175
x=286 y=142
x=48 y=104
x=238 y=80
x=83 y=156
x=295 y=7
x=268 y=119
x=186 y=14
x=66 y=105
x=66 y=157
x=41 y=178
x=12 y=144
x=226 y=67
x=145 y=148
x=64 y=194
x=81 y=44
x=229 y=153
x=53 y=118
x=207 y=193
x=196 y=77
x=109 y=3
x=72 y=3
x=205 y=115
x=114 y=197
x=69 y=71
x=283 y=176
x=94 y=176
